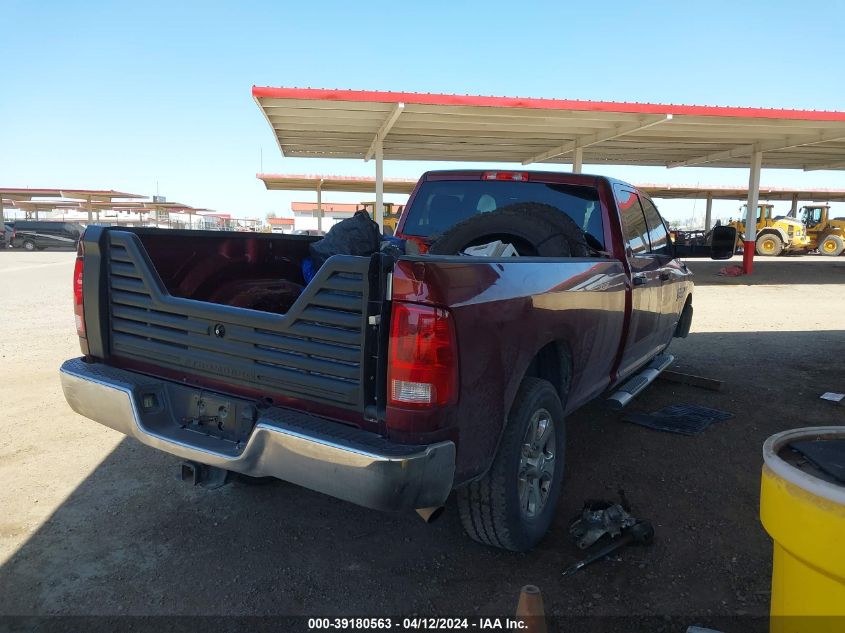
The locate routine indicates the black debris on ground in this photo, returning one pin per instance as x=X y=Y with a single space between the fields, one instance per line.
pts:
x=685 y=419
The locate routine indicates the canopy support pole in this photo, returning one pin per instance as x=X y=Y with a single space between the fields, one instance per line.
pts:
x=577 y=160
x=708 y=211
x=379 y=184
x=794 y=211
x=750 y=241
x=90 y=214
x=320 y=206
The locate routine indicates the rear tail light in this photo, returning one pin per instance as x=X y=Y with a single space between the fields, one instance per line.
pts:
x=423 y=367
x=518 y=176
x=77 y=293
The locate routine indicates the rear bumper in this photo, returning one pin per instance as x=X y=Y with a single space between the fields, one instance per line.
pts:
x=312 y=452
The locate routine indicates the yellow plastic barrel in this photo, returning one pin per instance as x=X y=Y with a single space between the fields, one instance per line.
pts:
x=804 y=513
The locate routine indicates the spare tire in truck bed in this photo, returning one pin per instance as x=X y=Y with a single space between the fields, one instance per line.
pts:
x=533 y=228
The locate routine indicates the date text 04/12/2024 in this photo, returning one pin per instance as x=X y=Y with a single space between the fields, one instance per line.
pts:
x=418 y=623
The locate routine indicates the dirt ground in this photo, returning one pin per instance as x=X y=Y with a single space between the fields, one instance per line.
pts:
x=94 y=524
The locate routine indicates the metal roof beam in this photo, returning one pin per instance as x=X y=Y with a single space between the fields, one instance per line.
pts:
x=598 y=137
x=836 y=165
x=771 y=146
x=384 y=129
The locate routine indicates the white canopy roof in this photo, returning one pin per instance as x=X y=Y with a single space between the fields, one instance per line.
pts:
x=311 y=122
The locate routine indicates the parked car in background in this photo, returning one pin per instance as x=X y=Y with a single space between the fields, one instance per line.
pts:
x=36 y=235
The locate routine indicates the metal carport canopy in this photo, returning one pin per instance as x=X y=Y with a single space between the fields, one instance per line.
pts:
x=366 y=184
x=89 y=195
x=320 y=123
x=362 y=184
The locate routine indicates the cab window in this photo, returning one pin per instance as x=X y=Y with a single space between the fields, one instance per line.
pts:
x=633 y=222
x=658 y=236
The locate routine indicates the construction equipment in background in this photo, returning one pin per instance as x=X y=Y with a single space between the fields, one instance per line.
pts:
x=392 y=211
x=775 y=235
x=826 y=235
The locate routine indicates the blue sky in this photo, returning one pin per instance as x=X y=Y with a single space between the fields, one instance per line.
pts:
x=125 y=95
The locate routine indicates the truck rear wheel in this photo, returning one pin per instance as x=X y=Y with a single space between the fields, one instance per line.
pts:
x=832 y=245
x=513 y=504
x=769 y=244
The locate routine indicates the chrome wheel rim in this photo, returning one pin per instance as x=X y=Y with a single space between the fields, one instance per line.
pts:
x=536 y=464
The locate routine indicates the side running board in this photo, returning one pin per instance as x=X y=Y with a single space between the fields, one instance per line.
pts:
x=627 y=392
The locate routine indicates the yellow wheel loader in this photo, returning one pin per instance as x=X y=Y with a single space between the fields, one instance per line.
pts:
x=392 y=212
x=825 y=234
x=775 y=235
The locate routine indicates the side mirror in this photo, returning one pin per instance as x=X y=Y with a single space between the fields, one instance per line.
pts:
x=723 y=242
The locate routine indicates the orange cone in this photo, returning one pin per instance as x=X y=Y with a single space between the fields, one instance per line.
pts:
x=530 y=609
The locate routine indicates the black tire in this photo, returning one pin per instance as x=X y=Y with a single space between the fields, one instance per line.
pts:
x=490 y=508
x=832 y=245
x=534 y=229
x=769 y=244
x=28 y=245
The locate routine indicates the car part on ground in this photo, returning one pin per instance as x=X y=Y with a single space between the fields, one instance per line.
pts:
x=685 y=419
x=534 y=229
x=639 y=533
x=599 y=519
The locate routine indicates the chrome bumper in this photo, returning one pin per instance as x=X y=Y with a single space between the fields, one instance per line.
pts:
x=312 y=452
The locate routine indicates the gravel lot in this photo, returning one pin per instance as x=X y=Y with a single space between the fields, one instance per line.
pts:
x=91 y=523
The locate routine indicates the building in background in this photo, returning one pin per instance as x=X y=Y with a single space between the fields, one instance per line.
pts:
x=305 y=214
x=281 y=225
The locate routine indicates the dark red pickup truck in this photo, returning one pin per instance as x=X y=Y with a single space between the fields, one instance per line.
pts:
x=390 y=381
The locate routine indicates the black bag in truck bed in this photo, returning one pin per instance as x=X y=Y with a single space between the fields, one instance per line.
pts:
x=322 y=350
